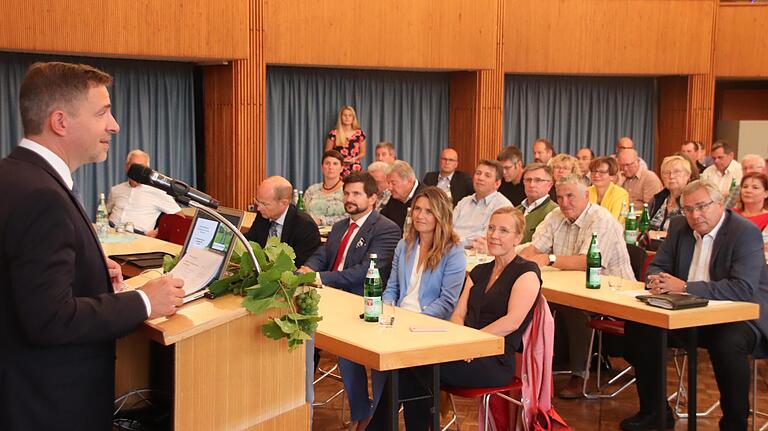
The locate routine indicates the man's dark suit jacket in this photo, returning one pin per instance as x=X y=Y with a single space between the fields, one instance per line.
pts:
x=737 y=269
x=377 y=235
x=396 y=210
x=461 y=184
x=58 y=316
x=299 y=231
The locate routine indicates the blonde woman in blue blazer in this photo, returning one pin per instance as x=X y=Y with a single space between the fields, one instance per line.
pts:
x=428 y=272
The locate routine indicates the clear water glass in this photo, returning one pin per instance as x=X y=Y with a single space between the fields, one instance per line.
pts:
x=387 y=316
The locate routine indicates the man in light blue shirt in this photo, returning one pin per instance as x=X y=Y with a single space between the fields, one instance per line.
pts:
x=471 y=215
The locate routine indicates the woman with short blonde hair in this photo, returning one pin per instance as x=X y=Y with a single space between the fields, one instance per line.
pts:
x=675 y=175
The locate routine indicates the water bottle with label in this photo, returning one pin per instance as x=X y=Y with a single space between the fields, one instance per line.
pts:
x=372 y=290
x=102 y=223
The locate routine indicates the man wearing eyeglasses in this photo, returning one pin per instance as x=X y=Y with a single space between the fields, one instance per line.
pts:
x=562 y=241
x=641 y=184
x=456 y=184
x=511 y=159
x=537 y=178
x=713 y=253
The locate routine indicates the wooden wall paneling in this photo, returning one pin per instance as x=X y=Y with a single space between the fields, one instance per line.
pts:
x=476 y=111
x=741 y=43
x=608 y=36
x=742 y=104
x=236 y=149
x=410 y=34
x=196 y=30
x=700 y=112
x=672 y=114
x=464 y=119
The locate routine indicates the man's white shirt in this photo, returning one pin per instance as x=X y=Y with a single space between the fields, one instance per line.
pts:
x=141 y=205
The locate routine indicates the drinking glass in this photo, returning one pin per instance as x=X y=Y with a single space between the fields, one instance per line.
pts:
x=387 y=316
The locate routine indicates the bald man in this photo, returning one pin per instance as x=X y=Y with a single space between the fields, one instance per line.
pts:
x=277 y=216
x=625 y=143
x=455 y=183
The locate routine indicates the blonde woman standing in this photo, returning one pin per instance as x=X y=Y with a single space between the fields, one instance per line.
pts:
x=348 y=139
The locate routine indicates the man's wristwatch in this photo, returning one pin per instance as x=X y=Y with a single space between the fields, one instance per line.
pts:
x=552 y=259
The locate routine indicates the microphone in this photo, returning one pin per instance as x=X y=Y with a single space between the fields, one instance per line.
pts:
x=179 y=190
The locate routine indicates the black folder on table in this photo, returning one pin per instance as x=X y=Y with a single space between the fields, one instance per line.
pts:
x=141 y=260
x=674 y=301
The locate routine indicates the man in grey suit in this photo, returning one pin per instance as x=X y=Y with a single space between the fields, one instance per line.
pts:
x=713 y=253
x=343 y=263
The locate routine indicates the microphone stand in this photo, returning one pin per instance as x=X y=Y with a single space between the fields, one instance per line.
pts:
x=231 y=227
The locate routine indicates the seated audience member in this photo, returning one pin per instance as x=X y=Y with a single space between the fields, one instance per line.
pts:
x=752 y=163
x=584 y=156
x=325 y=201
x=385 y=152
x=641 y=184
x=454 y=183
x=348 y=139
x=695 y=175
x=753 y=201
x=470 y=217
x=726 y=269
x=403 y=185
x=427 y=274
x=278 y=217
x=724 y=170
x=499 y=298
x=694 y=151
x=342 y=262
x=603 y=191
x=511 y=159
x=675 y=174
x=542 y=151
x=378 y=171
x=138 y=203
x=625 y=143
x=562 y=165
x=562 y=241
x=537 y=203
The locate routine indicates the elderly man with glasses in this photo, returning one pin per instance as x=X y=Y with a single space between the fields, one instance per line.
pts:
x=701 y=257
x=641 y=183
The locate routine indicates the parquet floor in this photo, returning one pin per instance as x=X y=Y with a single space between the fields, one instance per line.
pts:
x=588 y=415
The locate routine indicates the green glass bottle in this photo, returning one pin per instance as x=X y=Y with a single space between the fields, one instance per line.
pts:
x=594 y=264
x=372 y=290
x=630 y=226
x=300 y=201
x=643 y=226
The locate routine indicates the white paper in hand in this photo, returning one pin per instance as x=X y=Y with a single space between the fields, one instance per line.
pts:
x=197 y=268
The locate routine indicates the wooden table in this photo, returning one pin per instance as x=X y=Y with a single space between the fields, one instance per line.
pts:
x=343 y=333
x=568 y=288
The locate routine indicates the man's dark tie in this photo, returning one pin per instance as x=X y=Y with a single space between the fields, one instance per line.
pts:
x=343 y=245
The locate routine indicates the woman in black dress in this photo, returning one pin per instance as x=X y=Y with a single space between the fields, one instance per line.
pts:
x=498 y=298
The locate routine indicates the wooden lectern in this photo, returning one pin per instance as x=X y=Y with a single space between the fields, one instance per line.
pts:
x=226 y=374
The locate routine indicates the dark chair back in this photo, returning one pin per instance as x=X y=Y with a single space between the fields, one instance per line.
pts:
x=636 y=260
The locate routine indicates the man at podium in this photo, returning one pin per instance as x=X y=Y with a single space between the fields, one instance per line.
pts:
x=61 y=313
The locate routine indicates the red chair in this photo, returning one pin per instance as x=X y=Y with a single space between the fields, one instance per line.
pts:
x=173 y=228
x=515 y=387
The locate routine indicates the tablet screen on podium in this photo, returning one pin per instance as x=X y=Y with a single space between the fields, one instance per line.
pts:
x=208 y=233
